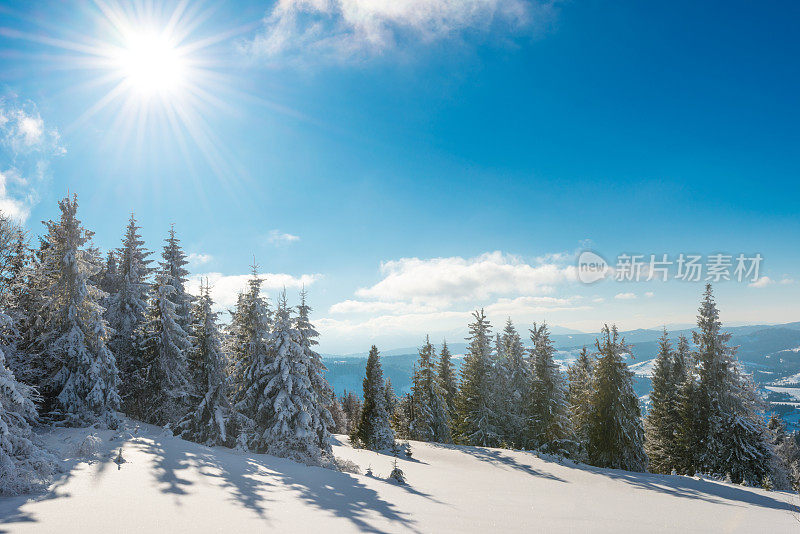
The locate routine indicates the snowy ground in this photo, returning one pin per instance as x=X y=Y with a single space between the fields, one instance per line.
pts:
x=169 y=485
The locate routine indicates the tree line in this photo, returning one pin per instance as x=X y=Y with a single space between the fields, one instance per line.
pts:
x=705 y=415
x=85 y=340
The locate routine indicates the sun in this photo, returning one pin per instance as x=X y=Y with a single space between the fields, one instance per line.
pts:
x=151 y=65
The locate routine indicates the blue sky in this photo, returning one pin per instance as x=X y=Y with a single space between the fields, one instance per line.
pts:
x=410 y=161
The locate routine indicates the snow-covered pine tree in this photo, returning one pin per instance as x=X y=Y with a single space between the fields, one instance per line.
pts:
x=447 y=380
x=374 y=429
x=579 y=395
x=786 y=467
x=108 y=278
x=514 y=383
x=19 y=299
x=616 y=437
x=162 y=386
x=173 y=269
x=83 y=379
x=250 y=366
x=322 y=419
x=340 y=422
x=24 y=465
x=127 y=307
x=352 y=406
x=247 y=337
x=208 y=422
x=284 y=424
x=732 y=434
x=663 y=417
x=549 y=426
x=431 y=422
x=476 y=420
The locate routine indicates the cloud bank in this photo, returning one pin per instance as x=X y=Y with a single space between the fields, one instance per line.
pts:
x=341 y=31
x=26 y=147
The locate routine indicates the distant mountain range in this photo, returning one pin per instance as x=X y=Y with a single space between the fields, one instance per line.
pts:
x=770 y=352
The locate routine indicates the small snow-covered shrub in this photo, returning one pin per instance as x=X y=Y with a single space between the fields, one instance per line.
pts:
x=89 y=447
x=397 y=474
x=347 y=466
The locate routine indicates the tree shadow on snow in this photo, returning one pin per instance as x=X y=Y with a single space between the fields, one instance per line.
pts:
x=11 y=507
x=499 y=458
x=692 y=488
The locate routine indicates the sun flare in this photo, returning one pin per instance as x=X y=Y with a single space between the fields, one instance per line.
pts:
x=151 y=65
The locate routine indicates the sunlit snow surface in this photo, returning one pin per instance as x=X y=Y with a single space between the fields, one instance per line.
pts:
x=169 y=485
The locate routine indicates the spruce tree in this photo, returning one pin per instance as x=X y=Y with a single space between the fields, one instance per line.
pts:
x=662 y=418
x=513 y=384
x=83 y=379
x=549 y=425
x=207 y=423
x=476 y=420
x=251 y=365
x=248 y=332
x=322 y=419
x=374 y=429
x=732 y=437
x=285 y=422
x=447 y=380
x=431 y=420
x=616 y=437
x=127 y=307
x=24 y=464
x=162 y=388
x=579 y=394
x=173 y=270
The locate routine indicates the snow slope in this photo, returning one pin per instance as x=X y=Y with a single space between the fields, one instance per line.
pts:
x=170 y=485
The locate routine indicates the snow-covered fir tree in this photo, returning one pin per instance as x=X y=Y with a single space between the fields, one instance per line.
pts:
x=549 y=425
x=476 y=419
x=352 y=406
x=514 y=375
x=83 y=379
x=663 y=416
x=785 y=470
x=616 y=437
x=322 y=420
x=172 y=268
x=447 y=380
x=127 y=307
x=579 y=395
x=108 y=277
x=284 y=422
x=431 y=421
x=207 y=423
x=340 y=422
x=162 y=388
x=732 y=437
x=374 y=428
x=247 y=337
x=24 y=464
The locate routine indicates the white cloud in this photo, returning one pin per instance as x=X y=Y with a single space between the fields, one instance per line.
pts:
x=625 y=296
x=276 y=237
x=348 y=30
x=787 y=280
x=442 y=281
x=523 y=307
x=598 y=300
x=199 y=258
x=360 y=306
x=26 y=147
x=649 y=294
x=226 y=288
x=764 y=281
